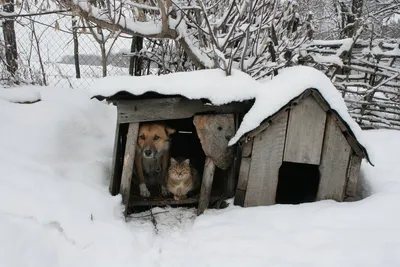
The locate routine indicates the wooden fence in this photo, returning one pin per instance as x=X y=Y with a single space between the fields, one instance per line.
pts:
x=366 y=72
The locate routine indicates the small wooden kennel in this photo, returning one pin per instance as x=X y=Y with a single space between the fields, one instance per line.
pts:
x=302 y=153
x=212 y=126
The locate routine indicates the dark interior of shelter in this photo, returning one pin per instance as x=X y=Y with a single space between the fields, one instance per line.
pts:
x=297 y=183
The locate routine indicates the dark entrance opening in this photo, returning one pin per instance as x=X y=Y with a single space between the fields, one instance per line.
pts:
x=298 y=183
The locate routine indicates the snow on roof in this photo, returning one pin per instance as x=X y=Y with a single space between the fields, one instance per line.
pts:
x=290 y=83
x=214 y=85
x=211 y=84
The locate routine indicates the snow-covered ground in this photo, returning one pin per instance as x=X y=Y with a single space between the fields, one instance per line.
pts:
x=55 y=209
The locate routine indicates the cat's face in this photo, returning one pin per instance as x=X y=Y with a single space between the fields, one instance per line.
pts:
x=179 y=170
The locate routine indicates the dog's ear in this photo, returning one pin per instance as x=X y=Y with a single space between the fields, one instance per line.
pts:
x=187 y=161
x=169 y=131
x=173 y=161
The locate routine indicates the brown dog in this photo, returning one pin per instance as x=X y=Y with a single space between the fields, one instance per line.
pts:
x=152 y=156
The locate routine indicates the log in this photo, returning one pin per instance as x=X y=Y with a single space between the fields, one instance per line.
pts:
x=206 y=185
x=214 y=132
x=129 y=158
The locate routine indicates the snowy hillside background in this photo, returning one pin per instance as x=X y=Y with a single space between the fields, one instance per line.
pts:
x=55 y=209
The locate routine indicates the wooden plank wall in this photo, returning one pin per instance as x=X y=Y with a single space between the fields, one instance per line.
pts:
x=334 y=162
x=130 y=111
x=305 y=132
x=266 y=160
x=353 y=176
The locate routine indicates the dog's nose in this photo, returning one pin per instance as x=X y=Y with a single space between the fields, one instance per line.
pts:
x=147 y=152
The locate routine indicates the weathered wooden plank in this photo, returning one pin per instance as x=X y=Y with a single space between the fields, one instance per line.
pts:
x=138 y=201
x=354 y=144
x=350 y=139
x=115 y=179
x=232 y=177
x=247 y=147
x=206 y=184
x=130 y=111
x=242 y=181
x=214 y=132
x=305 y=132
x=335 y=159
x=353 y=175
x=266 y=160
x=320 y=101
x=127 y=170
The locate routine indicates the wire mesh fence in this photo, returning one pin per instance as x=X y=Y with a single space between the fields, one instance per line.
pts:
x=56 y=48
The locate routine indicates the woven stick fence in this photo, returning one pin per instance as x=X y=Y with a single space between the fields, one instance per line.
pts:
x=367 y=73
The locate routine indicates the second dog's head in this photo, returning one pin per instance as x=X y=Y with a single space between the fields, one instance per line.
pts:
x=153 y=138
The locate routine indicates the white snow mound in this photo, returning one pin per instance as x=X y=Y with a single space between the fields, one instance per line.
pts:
x=56 y=211
x=20 y=94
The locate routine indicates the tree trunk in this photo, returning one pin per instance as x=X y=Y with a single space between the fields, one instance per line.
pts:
x=135 y=63
x=76 y=46
x=9 y=39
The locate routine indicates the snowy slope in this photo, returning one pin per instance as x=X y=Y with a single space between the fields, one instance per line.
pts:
x=55 y=209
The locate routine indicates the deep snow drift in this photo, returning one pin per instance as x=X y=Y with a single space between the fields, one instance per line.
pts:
x=55 y=209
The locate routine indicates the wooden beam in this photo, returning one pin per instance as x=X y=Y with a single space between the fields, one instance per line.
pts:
x=305 y=132
x=138 y=201
x=242 y=181
x=127 y=170
x=115 y=179
x=130 y=111
x=335 y=159
x=350 y=139
x=320 y=101
x=206 y=185
x=353 y=176
x=233 y=174
x=266 y=159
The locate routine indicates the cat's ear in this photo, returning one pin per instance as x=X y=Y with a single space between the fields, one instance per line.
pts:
x=173 y=161
x=169 y=131
x=186 y=161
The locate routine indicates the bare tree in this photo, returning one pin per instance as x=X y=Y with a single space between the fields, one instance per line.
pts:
x=245 y=34
x=10 y=43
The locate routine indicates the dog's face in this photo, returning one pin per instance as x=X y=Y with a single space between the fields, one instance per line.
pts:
x=153 y=138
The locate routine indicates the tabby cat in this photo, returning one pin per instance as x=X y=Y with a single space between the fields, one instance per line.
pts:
x=182 y=178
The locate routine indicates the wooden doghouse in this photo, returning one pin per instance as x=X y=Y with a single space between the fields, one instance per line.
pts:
x=206 y=128
x=302 y=153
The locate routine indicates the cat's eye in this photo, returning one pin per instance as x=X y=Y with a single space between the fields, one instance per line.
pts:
x=142 y=137
x=156 y=137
